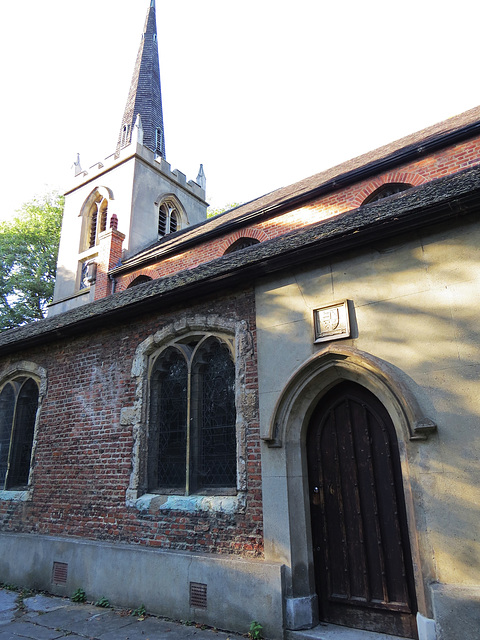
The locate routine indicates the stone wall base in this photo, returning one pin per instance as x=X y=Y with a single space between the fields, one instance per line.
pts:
x=229 y=592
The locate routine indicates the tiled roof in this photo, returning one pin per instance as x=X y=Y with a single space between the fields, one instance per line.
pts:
x=427 y=204
x=414 y=145
x=145 y=96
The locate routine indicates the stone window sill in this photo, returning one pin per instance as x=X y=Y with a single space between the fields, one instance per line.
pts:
x=15 y=496
x=192 y=504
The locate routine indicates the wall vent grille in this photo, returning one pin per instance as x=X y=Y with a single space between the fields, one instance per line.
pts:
x=198 y=595
x=59 y=573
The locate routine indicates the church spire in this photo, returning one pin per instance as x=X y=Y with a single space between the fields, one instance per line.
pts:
x=145 y=96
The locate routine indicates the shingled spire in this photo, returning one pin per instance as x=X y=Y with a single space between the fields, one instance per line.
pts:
x=145 y=97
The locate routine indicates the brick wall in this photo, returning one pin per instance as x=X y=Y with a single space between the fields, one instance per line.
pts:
x=83 y=457
x=448 y=161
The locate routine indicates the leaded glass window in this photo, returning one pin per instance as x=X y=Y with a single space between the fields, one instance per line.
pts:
x=18 y=410
x=192 y=435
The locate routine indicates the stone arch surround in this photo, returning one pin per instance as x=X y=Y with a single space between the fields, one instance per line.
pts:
x=285 y=461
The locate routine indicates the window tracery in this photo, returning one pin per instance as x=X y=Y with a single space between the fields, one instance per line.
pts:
x=192 y=426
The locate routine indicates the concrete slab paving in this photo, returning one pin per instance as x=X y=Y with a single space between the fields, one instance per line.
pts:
x=42 y=617
x=335 y=632
x=45 y=603
x=8 y=605
x=20 y=629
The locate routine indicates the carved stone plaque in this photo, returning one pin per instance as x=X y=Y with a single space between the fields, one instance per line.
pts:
x=331 y=322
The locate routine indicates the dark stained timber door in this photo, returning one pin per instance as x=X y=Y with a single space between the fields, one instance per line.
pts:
x=362 y=557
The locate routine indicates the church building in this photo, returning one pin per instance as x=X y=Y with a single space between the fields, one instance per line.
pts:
x=269 y=415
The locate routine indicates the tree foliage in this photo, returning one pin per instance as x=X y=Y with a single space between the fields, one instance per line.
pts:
x=211 y=212
x=28 y=259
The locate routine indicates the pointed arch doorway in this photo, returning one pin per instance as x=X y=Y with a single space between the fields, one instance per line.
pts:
x=362 y=559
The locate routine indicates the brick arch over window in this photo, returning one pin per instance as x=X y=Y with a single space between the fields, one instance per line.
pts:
x=139 y=280
x=142 y=276
x=413 y=179
x=94 y=212
x=253 y=234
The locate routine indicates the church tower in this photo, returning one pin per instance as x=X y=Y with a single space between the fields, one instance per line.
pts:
x=128 y=201
x=145 y=96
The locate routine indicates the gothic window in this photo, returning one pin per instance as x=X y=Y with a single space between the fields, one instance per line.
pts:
x=387 y=189
x=192 y=434
x=18 y=410
x=168 y=218
x=241 y=243
x=95 y=216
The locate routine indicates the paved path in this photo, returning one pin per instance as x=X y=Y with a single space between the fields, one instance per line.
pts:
x=48 y=618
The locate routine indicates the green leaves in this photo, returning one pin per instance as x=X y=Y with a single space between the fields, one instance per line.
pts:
x=28 y=258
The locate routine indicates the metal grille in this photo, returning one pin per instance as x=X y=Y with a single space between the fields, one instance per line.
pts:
x=217 y=465
x=198 y=595
x=60 y=573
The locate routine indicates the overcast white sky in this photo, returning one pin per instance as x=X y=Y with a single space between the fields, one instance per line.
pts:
x=262 y=92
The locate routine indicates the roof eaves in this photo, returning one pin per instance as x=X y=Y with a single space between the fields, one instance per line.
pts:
x=420 y=206
x=340 y=181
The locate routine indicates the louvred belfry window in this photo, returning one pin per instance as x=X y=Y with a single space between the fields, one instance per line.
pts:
x=168 y=219
x=18 y=410
x=192 y=435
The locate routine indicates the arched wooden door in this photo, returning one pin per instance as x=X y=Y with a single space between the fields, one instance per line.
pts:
x=362 y=556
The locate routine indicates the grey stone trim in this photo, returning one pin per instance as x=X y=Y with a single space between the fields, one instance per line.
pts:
x=378 y=376
x=301 y=613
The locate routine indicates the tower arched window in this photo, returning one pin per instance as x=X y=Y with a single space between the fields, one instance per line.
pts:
x=168 y=218
x=95 y=213
x=18 y=410
x=192 y=427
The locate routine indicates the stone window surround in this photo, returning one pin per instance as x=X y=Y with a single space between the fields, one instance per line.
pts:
x=98 y=196
x=137 y=415
x=173 y=203
x=39 y=374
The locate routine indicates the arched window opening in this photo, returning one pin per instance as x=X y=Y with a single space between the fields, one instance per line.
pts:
x=18 y=410
x=241 y=243
x=387 y=189
x=95 y=214
x=158 y=141
x=168 y=218
x=125 y=134
x=192 y=433
x=139 y=280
